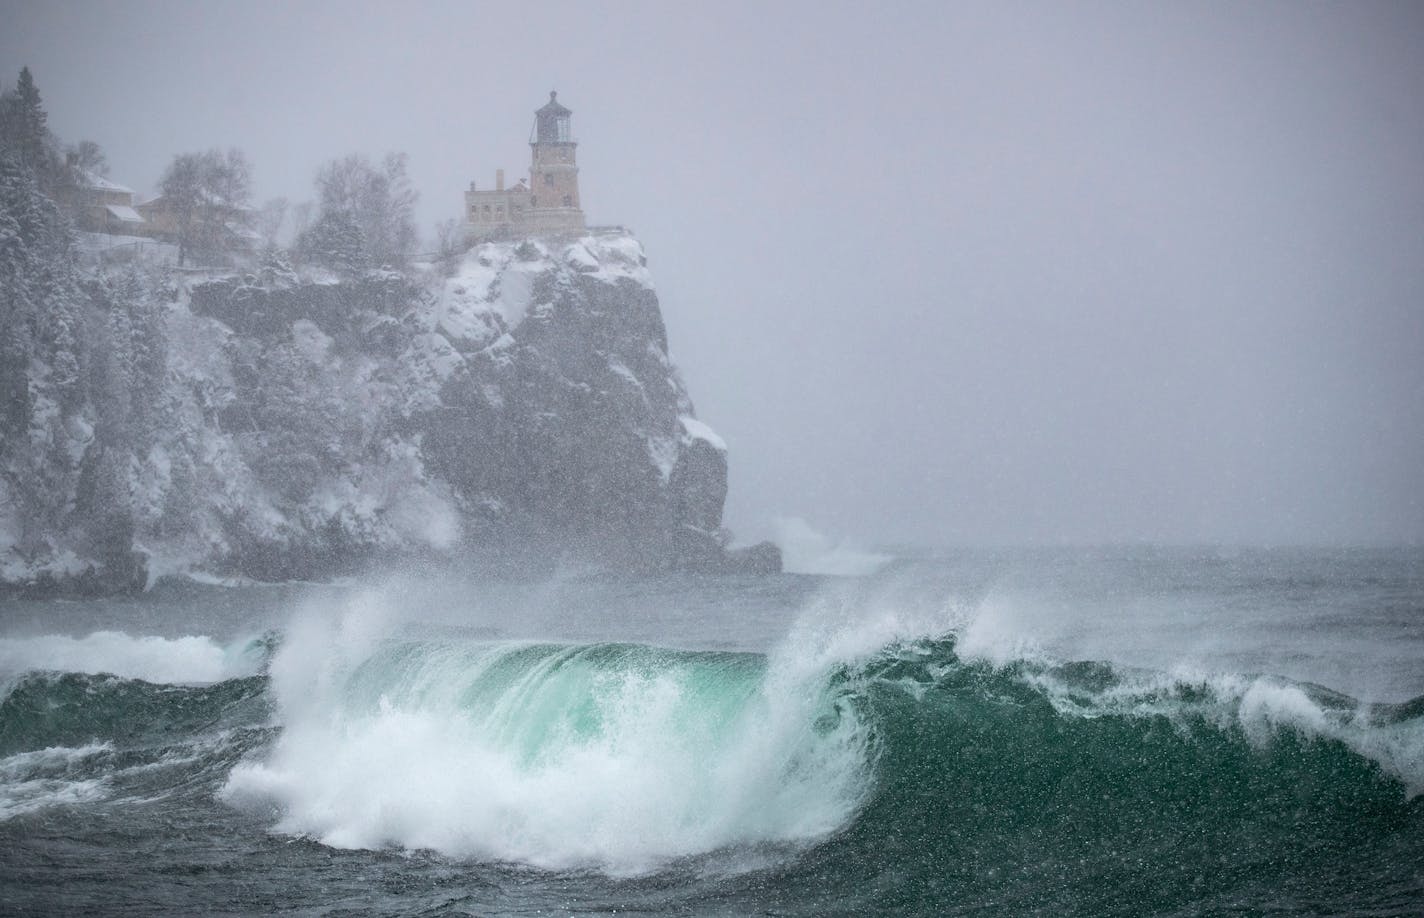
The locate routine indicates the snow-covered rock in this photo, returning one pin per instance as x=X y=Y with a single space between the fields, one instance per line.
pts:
x=523 y=409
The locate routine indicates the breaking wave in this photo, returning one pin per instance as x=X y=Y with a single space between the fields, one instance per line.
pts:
x=883 y=754
x=193 y=658
x=614 y=756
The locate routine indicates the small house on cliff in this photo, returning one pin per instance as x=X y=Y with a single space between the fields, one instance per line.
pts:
x=213 y=222
x=102 y=206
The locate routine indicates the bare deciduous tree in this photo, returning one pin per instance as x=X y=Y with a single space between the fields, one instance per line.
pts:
x=380 y=200
x=208 y=194
x=89 y=156
x=449 y=243
x=270 y=219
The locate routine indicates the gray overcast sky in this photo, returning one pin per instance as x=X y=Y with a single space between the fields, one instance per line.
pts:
x=939 y=272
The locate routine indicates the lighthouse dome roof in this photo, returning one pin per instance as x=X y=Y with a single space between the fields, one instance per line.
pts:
x=552 y=107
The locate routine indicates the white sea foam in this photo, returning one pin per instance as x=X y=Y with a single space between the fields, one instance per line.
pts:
x=994 y=631
x=804 y=550
x=1262 y=707
x=1266 y=705
x=611 y=757
x=1003 y=629
x=191 y=658
x=851 y=621
x=77 y=775
x=24 y=765
x=34 y=780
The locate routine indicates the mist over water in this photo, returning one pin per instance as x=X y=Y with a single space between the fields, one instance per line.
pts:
x=963 y=274
x=151 y=658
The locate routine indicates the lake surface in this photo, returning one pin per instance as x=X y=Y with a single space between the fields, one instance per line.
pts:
x=1107 y=731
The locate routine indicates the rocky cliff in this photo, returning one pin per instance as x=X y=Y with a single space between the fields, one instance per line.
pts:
x=518 y=409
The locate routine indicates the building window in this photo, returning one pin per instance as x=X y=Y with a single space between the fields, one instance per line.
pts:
x=499 y=213
x=548 y=178
x=534 y=201
x=568 y=200
x=487 y=212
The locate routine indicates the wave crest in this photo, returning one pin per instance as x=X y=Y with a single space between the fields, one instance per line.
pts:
x=613 y=756
x=187 y=659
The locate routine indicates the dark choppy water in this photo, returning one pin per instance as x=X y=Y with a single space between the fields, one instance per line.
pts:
x=1093 y=733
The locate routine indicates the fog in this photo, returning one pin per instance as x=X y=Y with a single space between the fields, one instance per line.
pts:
x=938 y=273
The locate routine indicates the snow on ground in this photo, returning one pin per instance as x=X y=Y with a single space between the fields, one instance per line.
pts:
x=663 y=451
x=61 y=564
x=386 y=495
x=516 y=285
x=492 y=289
x=609 y=257
x=490 y=283
x=107 y=248
x=313 y=343
x=694 y=429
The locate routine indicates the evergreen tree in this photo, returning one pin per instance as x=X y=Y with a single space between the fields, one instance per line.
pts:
x=379 y=198
x=150 y=358
x=41 y=354
x=17 y=308
x=30 y=119
x=105 y=502
x=336 y=241
x=65 y=357
x=38 y=293
x=294 y=438
x=81 y=368
x=24 y=132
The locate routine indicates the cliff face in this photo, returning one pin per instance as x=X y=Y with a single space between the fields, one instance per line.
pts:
x=522 y=411
x=561 y=418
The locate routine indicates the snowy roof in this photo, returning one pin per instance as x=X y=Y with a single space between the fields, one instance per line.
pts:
x=242 y=232
x=99 y=183
x=161 y=202
x=126 y=214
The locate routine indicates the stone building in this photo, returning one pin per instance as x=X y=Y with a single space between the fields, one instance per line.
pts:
x=548 y=203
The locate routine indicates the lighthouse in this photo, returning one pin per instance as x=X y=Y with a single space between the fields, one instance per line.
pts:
x=549 y=203
x=553 y=171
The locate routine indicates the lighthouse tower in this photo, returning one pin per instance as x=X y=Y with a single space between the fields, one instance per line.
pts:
x=549 y=204
x=553 y=172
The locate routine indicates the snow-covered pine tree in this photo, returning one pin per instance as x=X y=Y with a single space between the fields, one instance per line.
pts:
x=335 y=241
x=24 y=132
x=379 y=198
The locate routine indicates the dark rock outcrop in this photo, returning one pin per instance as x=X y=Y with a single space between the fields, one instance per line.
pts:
x=521 y=413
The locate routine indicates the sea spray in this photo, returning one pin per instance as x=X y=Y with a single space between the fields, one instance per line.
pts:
x=905 y=748
x=48 y=777
x=192 y=658
x=615 y=756
x=807 y=551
